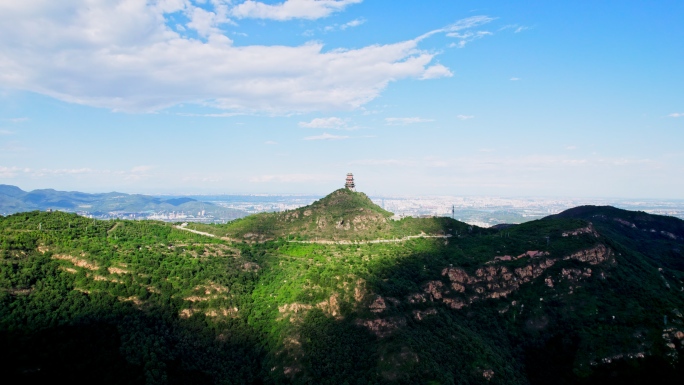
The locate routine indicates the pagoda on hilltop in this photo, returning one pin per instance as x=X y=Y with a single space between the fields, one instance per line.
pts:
x=349 y=184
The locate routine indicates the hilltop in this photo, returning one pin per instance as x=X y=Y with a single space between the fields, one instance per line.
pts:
x=588 y=296
x=342 y=215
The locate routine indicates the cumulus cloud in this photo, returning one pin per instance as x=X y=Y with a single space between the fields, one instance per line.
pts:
x=331 y=122
x=123 y=55
x=676 y=115
x=405 y=121
x=353 y=23
x=290 y=9
x=326 y=136
x=436 y=71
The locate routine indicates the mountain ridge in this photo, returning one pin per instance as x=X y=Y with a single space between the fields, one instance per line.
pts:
x=582 y=297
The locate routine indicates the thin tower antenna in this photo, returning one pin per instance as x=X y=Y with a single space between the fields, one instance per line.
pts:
x=453 y=212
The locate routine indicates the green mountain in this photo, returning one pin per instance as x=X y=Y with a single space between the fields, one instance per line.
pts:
x=337 y=292
x=343 y=215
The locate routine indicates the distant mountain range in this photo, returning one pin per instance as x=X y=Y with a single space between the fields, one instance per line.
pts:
x=113 y=205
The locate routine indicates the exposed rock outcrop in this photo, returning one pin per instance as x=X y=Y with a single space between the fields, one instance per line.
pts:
x=382 y=327
x=598 y=254
x=499 y=281
x=421 y=314
x=582 y=230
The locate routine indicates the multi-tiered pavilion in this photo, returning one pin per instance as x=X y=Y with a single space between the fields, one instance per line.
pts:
x=349 y=184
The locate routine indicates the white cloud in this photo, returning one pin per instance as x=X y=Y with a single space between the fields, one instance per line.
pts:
x=571 y=148
x=141 y=169
x=677 y=115
x=431 y=162
x=290 y=9
x=405 y=121
x=515 y=27
x=17 y=120
x=469 y=22
x=342 y=27
x=12 y=146
x=459 y=29
x=44 y=172
x=514 y=79
x=381 y=162
x=353 y=23
x=465 y=117
x=6 y=132
x=11 y=172
x=122 y=55
x=136 y=173
x=292 y=178
x=436 y=71
x=469 y=36
x=331 y=122
x=437 y=164
x=218 y=115
x=326 y=136
x=271 y=142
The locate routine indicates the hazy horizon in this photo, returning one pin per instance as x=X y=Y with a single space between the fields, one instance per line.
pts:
x=370 y=194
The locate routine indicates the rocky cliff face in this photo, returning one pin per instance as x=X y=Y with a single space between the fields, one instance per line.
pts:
x=463 y=289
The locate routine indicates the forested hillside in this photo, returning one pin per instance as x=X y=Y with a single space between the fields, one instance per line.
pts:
x=587 y=297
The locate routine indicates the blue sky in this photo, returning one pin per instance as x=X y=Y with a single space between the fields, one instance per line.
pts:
x=430 y=97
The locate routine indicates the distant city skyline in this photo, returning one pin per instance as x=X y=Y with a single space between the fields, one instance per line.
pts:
x=429 y=98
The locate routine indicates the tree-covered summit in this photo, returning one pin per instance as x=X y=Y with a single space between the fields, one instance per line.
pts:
x=341 y=215
x=343 y=201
